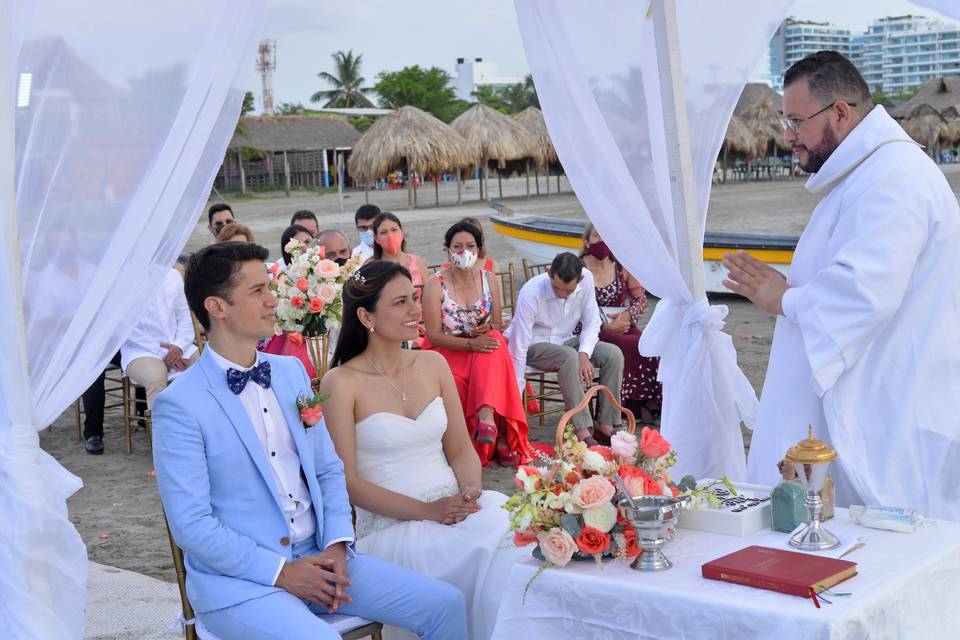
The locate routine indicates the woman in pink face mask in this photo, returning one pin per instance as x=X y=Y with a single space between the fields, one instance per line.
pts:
x=615 y=287
x=390 y=245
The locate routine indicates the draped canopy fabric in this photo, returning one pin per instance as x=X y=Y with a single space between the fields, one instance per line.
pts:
x=597 y=75
x=115 y=118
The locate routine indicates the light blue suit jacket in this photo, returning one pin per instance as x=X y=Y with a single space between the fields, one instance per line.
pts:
x=217 y=489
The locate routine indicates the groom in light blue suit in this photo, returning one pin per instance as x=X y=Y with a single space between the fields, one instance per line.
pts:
x=257 y=501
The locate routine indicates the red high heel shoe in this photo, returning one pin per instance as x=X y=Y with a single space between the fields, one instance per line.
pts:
x=486 y=433
x=506 y=457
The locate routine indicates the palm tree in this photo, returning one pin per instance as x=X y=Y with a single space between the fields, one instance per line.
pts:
x=348 y=90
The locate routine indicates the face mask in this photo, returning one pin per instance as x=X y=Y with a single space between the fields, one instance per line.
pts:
x=463 y=260
x=599 y=250
x=341 y=261
x=391 y=242
x=366 y=237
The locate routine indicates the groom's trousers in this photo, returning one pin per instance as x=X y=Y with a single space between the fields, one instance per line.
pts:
x=380 y=591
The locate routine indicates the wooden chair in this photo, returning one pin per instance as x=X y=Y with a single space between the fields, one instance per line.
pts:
x=114 y=390
x=530 y=270
x=349 y=627
x=508 y=290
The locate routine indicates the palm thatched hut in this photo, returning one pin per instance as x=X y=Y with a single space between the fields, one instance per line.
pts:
x=951 y=116
x=532 y=119
x=928 y=127
x=759 y=108
x=939 y=93
x=738 y=140
x=494 y=137
x=411 y=140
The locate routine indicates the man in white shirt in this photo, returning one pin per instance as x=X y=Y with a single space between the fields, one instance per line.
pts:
x=542 y=335
x=865 y=347
x=363 y=219
x=161 y=346
x=255 y=497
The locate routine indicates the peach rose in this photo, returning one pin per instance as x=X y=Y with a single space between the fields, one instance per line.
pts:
x=525 y=537
x=303 y=284
x=296 y=301
x=311 y=415
x=593 y=541
x=316 y=305
x=328 y=269
x=652 y=444
x=639 y=482
x=327 y=293
x=556 y=546
x=592 y=491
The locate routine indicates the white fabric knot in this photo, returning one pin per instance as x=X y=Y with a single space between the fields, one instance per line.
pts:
x=710 y=317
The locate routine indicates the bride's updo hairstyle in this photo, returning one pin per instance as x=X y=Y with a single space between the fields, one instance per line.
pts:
x=362 y=290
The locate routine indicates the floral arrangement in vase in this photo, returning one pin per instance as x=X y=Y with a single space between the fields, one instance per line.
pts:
x=567 y=507
x=309 y=293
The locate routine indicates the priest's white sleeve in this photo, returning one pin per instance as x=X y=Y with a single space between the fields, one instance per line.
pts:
x=846 y=305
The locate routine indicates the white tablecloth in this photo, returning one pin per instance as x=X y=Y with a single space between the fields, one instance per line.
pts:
x=908 y=586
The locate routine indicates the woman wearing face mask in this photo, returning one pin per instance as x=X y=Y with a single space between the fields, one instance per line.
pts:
x=615 y=287
x=462 y=316
x=390 y=244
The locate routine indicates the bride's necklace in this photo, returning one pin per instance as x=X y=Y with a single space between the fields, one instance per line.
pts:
x=403 y=396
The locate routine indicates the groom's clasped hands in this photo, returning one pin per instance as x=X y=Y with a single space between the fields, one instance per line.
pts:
x=320 y=579
x=454 y=509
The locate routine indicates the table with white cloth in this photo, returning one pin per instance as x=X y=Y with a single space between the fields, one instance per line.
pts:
x=907 y=586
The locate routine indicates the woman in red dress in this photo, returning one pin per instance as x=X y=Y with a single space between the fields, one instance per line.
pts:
x=461 y=310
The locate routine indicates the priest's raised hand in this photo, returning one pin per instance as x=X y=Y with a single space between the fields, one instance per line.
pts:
x=760 y=283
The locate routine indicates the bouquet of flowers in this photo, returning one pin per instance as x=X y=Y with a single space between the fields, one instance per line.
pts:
x=570 y=510
x=309 y=293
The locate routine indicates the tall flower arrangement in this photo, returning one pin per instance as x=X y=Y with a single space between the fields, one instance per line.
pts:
x=310 y=292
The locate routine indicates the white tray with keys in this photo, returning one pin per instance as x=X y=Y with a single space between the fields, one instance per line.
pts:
x=738 y=515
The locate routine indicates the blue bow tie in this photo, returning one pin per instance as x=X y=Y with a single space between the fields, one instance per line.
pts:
x=260 y=374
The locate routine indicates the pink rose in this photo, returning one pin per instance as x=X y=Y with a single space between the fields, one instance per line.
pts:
x=592 y=492
x=624 y=444
x=652 y=444
x=328 y=269
x=295 y=338
x=639 y=482
x=311 y=415
x=316 y=305
x=303 y=284
x=327 y=293
x=556 y=546
x=296 y=301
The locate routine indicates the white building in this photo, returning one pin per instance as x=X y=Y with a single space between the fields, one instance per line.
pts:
x=917 y=49
x=796 y=39
x=471 y=75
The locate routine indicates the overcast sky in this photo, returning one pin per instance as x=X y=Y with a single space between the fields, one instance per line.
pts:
x=391 y=35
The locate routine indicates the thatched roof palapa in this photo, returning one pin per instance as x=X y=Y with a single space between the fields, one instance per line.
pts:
x=927 y=126
x=739 y=138
x=939 y=93
x=409 y=137
x=491 y=135
x=759 y=108
x=532 y=119
x=295 y=133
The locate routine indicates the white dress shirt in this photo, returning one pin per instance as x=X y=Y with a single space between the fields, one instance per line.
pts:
x=541 y=316
x=273 y=432
x=166 y=319
x=365 y=251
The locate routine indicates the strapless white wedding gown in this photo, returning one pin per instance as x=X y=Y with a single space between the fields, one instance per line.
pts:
x=406 y=456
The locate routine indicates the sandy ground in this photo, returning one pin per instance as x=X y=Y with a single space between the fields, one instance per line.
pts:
x=118 y=510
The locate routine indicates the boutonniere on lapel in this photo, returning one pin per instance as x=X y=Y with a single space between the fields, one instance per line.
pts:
x=311 y=409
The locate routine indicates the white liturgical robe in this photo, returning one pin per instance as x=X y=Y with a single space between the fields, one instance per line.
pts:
x=868 y=348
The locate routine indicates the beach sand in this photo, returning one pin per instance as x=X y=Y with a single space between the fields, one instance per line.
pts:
x=119 y=498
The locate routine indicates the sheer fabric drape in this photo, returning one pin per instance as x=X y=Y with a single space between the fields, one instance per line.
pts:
x=596 y=72
x=115 y=119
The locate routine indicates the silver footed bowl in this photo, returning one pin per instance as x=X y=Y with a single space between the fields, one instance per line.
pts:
x=651 y=517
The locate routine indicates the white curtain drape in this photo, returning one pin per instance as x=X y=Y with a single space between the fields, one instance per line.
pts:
x=596 y=72
x=115 y=118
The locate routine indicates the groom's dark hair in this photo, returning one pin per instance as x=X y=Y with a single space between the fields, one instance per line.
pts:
x=212 y=271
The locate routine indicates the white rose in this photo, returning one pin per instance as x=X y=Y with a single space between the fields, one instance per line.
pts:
x=557 y=501
x=602 y=517
x=593 y=461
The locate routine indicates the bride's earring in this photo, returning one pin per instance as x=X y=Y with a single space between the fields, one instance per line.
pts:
x=372 y=330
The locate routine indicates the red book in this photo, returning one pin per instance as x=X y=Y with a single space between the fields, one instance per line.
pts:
x=798 y=574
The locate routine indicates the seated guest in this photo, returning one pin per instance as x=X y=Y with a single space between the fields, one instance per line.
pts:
x=235 y=232
x=306 y=219
x=412 y=473
x=217 y=217
x=461 y=309
x=94 y=404
x=541 y=335
x=390 y=244
x=335 y=245
x=363 y=219
x=293 y=232
x=615 y=287
x=256 y=498
x=161 y=346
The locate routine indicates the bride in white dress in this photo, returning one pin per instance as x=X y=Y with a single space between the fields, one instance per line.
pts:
x=412 y=472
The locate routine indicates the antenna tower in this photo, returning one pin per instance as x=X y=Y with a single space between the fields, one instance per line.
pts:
x=266 y=65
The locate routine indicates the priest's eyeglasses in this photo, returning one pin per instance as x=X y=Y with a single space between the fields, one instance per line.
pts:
x=793 y=124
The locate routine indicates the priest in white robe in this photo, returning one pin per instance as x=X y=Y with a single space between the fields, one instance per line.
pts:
x=867 y=340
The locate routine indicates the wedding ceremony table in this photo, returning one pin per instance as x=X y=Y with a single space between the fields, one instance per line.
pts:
x=907 y=586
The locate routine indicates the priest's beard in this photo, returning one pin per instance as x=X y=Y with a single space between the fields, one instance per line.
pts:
x=818 y=155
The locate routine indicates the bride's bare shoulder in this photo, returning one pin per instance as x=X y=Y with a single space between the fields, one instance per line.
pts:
x=429 y=361
x=339 y=379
